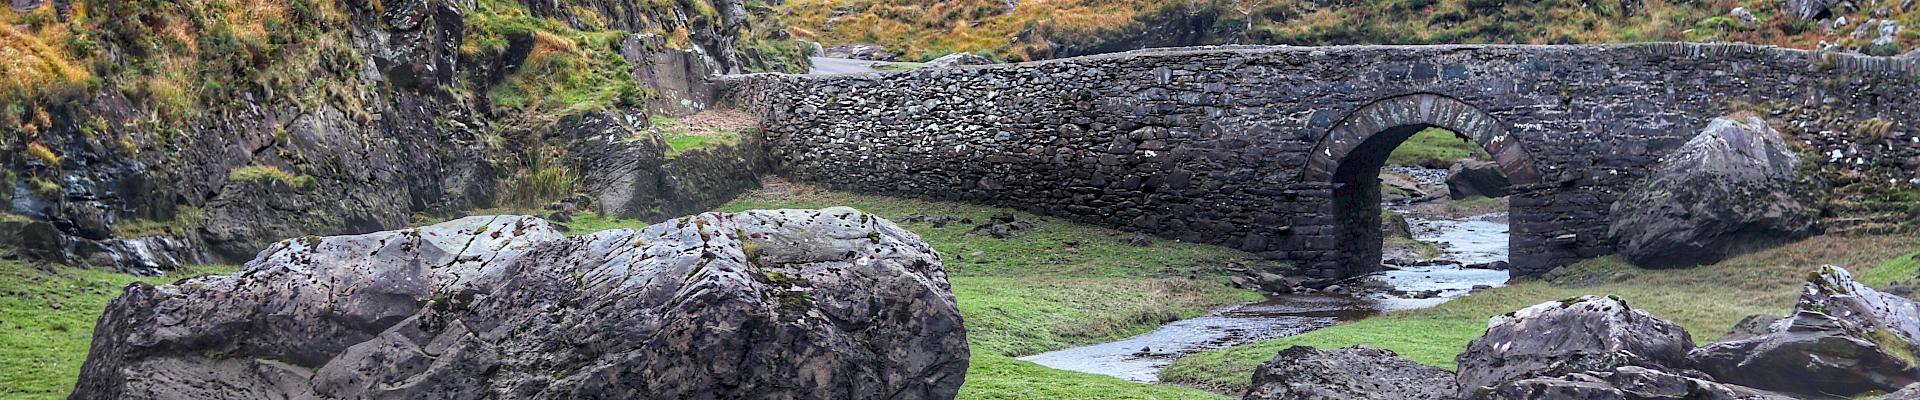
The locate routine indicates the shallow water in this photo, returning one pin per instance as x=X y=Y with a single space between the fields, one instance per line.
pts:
x=1479 y=239
x=1140 y=358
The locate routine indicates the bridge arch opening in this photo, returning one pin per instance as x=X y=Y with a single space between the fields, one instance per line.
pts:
x=1350 y=158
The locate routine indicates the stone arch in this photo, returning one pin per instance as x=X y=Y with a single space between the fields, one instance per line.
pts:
x=1349 y=158
x=1415 y=112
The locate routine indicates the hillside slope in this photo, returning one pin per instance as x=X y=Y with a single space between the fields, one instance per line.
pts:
x=1016 y=30
x=224 y=125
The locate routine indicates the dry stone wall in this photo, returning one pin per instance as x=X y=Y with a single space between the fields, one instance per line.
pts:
x=1269 y=149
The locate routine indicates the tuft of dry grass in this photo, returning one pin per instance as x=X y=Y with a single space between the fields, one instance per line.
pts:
x=40 y=151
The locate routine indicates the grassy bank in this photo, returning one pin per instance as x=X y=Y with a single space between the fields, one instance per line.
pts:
x=1435 y=148
x=1707 y=301
x=46 y=323
x=1060 y=285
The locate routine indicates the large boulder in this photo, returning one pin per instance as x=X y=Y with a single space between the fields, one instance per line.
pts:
x=827 y=303
x=1843 y=338
x=1469 y=178
x=1625 y=383
x=1361 y=373
x=1729 y=190
x=1554 y=339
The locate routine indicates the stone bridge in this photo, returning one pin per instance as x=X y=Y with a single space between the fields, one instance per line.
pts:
x=1275 y=150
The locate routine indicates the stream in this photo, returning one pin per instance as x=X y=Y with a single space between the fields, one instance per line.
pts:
x=1139 y=358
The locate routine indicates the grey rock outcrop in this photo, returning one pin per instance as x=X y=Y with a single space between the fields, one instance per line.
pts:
x=1359 y=372
x=1468 y=178
x=828 y=303
x=1805 y=9
x=958 y=60
x=1911 y=392
x=1555 y=339
x=1728 y=190
x=1750 y=327
x=625 y=170
x=1843 y=338
x=1626 y=383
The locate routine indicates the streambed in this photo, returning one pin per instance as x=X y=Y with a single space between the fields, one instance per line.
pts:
x=1472 y=240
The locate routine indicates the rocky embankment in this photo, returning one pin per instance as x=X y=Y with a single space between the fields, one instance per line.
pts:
x=830 y=303
x=397 y=110
x=1843 y=339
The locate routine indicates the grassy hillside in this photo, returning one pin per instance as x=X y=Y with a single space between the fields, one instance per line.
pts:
x=184 y=59
x=1041 y=29
x=1707 y=301
x=46 y=323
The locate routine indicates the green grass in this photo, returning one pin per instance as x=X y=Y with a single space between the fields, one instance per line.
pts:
x=1707 y=301
x=681 y=143
x=682 y=138
x=1897 y=270
x=184 y=217
x=46 y=323
x=1435 y=148
x=996 y=377
x=1036 y=293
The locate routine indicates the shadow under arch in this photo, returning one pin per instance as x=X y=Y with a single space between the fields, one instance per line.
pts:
x=1350 y=156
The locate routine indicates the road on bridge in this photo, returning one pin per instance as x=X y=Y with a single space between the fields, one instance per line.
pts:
x=830 y=66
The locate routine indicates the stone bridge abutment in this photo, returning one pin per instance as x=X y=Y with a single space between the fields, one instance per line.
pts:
x=1274 y=149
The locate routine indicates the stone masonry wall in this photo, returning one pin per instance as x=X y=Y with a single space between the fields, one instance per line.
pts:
x=1243 y=146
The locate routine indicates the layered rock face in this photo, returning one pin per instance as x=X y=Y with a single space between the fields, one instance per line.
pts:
x=1305 y=373
x=1626 y=383
x=1576 y=335
x=828 y=303
x=1730 y=189
x=1843 y=338
x=396 y=118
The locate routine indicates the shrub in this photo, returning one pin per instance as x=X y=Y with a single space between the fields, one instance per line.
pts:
x=541 y=181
